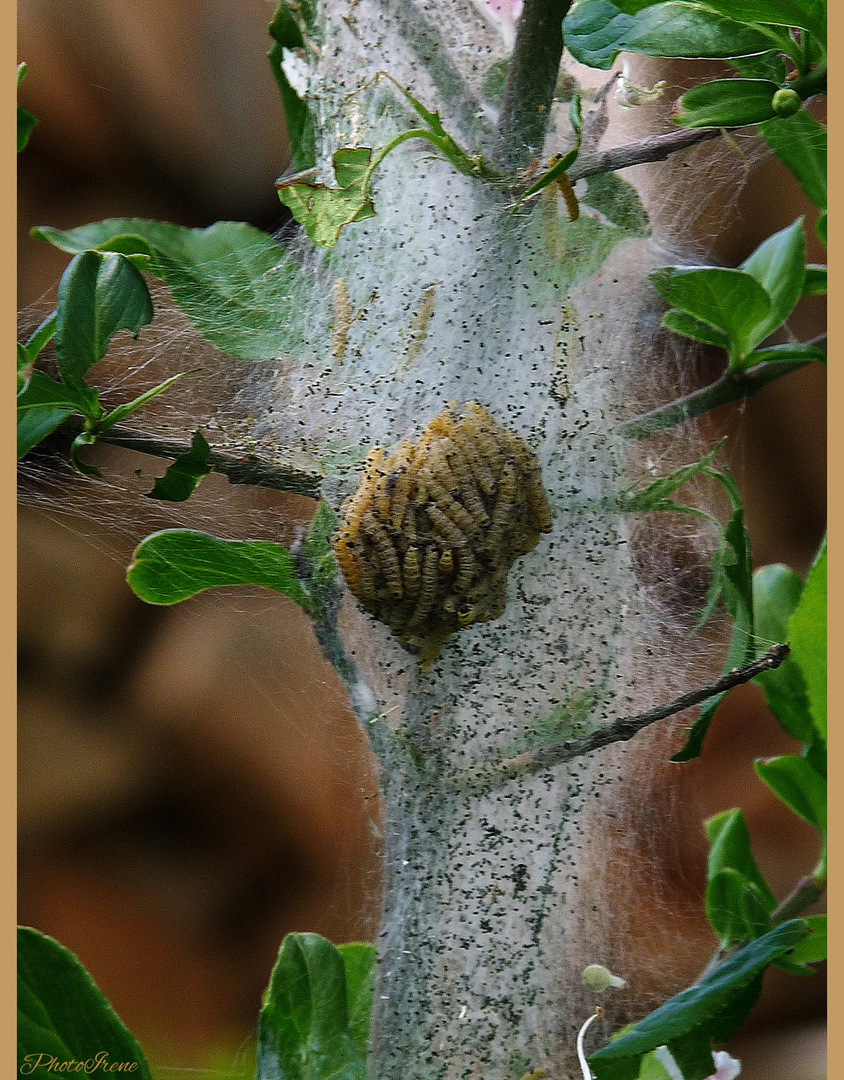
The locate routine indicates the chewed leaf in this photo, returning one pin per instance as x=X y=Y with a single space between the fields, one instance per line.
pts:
x=175 y=564
x=287 y=37
x=182 y=477
x=323 y=211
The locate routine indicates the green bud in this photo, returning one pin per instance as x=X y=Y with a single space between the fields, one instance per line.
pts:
x=786 y=102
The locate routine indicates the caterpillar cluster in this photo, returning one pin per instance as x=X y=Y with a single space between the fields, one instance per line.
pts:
x=427 y=540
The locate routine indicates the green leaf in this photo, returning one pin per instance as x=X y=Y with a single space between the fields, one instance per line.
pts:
x=175 y=564
x=26 y=125
x=779 y=265
x=63 y=1017
x=738 y=900
x=99 y=294
x=596 y=31
x=731 y=301
x=681 y=322
x=83 y=439
x=26 y=121
x=710 y=1011
x=793 y=780
x=24 y=372
x=776 y=595
x=813 y=949
x=359 y=960
x=799 y=142
x=42 y=336
x=314 y=1021
x=287 y=37
x=807 y=636
x=769 y=65
x=776 y=354
x=319 y=553
x=726 y=103
x=733 y=582
x=239 y=288
x=651 y=1068
x=43 y=391
x=654 y=497
x=736 y=910
x=815 y=283
x=618 y=201
x=807 y=14
x=323 y=211
x=550 y=175
x=34 y=425
x=182 y=477
x=820 y=227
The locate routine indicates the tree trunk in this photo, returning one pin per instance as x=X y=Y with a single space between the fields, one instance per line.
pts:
x=489 y=910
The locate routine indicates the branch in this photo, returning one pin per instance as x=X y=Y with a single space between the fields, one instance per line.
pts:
x=487 y=776
x=730 y=387
x=804 y=894
x=261 y=468
x=529 y=90
x=652 y=148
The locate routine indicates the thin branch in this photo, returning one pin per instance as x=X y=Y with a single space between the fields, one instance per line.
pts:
x=729 y=388
x=260 y=468
x=531 y=79
x=805 y=893
x=652 y=148
x=487 y=776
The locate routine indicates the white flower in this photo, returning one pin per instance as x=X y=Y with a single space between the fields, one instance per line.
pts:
x=726 y=1067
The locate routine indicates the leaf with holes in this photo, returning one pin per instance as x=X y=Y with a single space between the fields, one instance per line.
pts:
x=323 y=211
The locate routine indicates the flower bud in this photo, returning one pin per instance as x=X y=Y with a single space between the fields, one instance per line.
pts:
x=786 y=102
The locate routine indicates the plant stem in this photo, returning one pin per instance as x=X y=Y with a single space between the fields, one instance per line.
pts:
x=529 y=90
x=730 y=387
x=620 y=730
x=806 y=892
x=258 y=468
x=651 y=148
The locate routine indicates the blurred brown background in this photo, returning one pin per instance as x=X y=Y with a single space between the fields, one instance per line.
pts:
x=192 y=785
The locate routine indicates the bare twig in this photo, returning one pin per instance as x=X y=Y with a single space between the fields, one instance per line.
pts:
x=261 y=468
x=651 y=148
x=487 y=776
x=804 y=894
x=729 y=388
